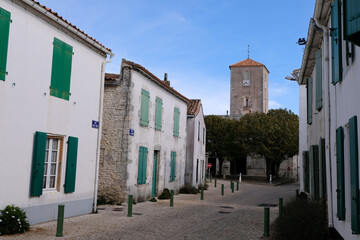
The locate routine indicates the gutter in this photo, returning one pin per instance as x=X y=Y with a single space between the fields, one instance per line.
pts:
x=101 y=101
x=310 y=39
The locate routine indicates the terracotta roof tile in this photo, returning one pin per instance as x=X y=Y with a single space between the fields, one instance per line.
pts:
x=193 y=107
x=161 y=82
x=248 y=63
x=60 y=17
x=112 y=76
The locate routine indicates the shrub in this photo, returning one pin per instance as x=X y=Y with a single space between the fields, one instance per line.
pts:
x=205 y=186
x=302 y=219
x=165 y=194
x=189 y=190
x=13 y=220
x=102 y=200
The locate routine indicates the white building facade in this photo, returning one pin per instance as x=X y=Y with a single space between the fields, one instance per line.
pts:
x=48 y=146
x=196 y=145
x=144 y=136
x=330 y=70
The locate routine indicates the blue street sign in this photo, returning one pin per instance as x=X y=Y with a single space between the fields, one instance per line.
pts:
x=95 y=124
x=132 y=132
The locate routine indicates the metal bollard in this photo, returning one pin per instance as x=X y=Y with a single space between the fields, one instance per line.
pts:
x=222 y=189
x=270 y=180
x=60 y=221
x=280 y=206
x=232 y=187
x=202 y=193
x=171 y=198
x=215 y=182
x=266 y=221
x=231 y=183
x=237 y=186
x=130 y=203
x=240 y=177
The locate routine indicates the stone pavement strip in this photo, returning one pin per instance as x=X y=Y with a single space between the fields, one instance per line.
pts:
x=233 y=216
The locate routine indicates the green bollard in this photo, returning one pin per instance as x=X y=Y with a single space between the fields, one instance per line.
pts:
x=130 y=203
x=222 y=189
x=237 y=186
x=210 y=178
x=60 y=221
x=171 y=198
x=215 y=182
x=297 y=193
x=266 y=221
x=202 y=193
x=280 y=206
x=231 y=183
x=232 y=187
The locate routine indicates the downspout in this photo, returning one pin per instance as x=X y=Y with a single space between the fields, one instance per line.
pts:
x=101 y=101
x=326 y=78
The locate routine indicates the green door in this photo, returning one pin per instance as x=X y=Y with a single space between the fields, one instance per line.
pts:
x=154 y=181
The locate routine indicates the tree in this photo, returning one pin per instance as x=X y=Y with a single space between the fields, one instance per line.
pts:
x=273 y=136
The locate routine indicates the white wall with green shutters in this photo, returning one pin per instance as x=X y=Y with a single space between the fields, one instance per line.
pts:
x=153 y=139
x=26 y=107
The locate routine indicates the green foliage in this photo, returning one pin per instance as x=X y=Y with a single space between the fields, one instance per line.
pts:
x=102 y=200
x=189 y=190
x=13 y=220
x=302 y=219
x=205 y=186
x=165 y=194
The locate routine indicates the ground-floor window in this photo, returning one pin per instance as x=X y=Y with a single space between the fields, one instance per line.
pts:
x=52 y=162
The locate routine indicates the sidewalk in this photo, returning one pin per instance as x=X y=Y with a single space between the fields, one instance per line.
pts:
x=233 y=216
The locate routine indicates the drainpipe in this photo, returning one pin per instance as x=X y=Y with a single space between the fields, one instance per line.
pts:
x=101 y=101
x=325 y=53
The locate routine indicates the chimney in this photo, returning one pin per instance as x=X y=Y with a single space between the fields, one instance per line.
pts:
x=165 y=80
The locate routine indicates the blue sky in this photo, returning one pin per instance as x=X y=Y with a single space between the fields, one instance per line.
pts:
x=195 y=41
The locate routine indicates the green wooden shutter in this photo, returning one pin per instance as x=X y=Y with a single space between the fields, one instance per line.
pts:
x=4 y=40
x=318 y=67
x=142 y=165
x=203 y=135
x=197 y=170
x=340 y=173
x=176 y=121
x=309 y=100
x=70 y=174
x=306 y=170
x=144 y=117
x=322 y=160
x=336 y=41
x=173 y=166
x=354 y=175
x=38 y=161
x=314 y=161
x=61 y=69
x=158 y=114
x=352 y=21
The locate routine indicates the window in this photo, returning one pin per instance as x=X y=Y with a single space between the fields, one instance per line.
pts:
x=336 y=41
x=47 y=157
x=142 y=165
x=4 y=40
x=158 y=113
x=318 y=70
x=354 y=175
x=144 y=116
x=305 y=155
x=314 y=161
x=61 y=69
x=322 y=161
x=176 y=121
x=352 y=21
x=309 y=100
x=340 y=173
x=173 y=166
x=199 y=131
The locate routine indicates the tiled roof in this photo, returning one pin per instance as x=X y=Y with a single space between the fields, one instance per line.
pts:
x=154 y=78
x=193 y=107
x=111 y=76
x=48 y=10
x=248 y=63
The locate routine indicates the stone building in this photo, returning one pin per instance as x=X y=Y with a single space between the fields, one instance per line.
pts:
x=143 y=145
x=248 y=88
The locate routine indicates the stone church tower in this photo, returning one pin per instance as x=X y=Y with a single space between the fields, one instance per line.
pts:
x=249 y=88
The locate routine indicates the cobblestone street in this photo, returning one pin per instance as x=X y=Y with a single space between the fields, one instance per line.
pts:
x=233 y=216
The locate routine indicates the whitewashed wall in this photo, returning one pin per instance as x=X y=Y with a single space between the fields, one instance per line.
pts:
x=26 y=106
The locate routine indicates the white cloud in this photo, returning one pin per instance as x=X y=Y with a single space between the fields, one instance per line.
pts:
x=274 y=104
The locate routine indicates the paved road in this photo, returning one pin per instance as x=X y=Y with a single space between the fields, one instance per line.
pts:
x=233 y=216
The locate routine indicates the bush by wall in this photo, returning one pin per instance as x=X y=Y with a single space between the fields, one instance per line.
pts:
x=165 y=194
x=13 y=220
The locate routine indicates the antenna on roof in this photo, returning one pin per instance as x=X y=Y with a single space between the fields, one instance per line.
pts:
x=248 y=51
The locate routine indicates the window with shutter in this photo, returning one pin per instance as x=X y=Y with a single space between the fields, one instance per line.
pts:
x=352 y=21
x=61 y=69
x=144 y=116
x=197 y=170
x=158 y=114
x=176 y=121
x=173 y=166
x=71 y=160
x=354 y=175
x=142 y=165
x=340 y=173
x=38 y=162
x=4 y=40
x=314 y=162
x=306 y=170
x=336 y=41
x=318 y=70
x=322 y=160
x=309 y=100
